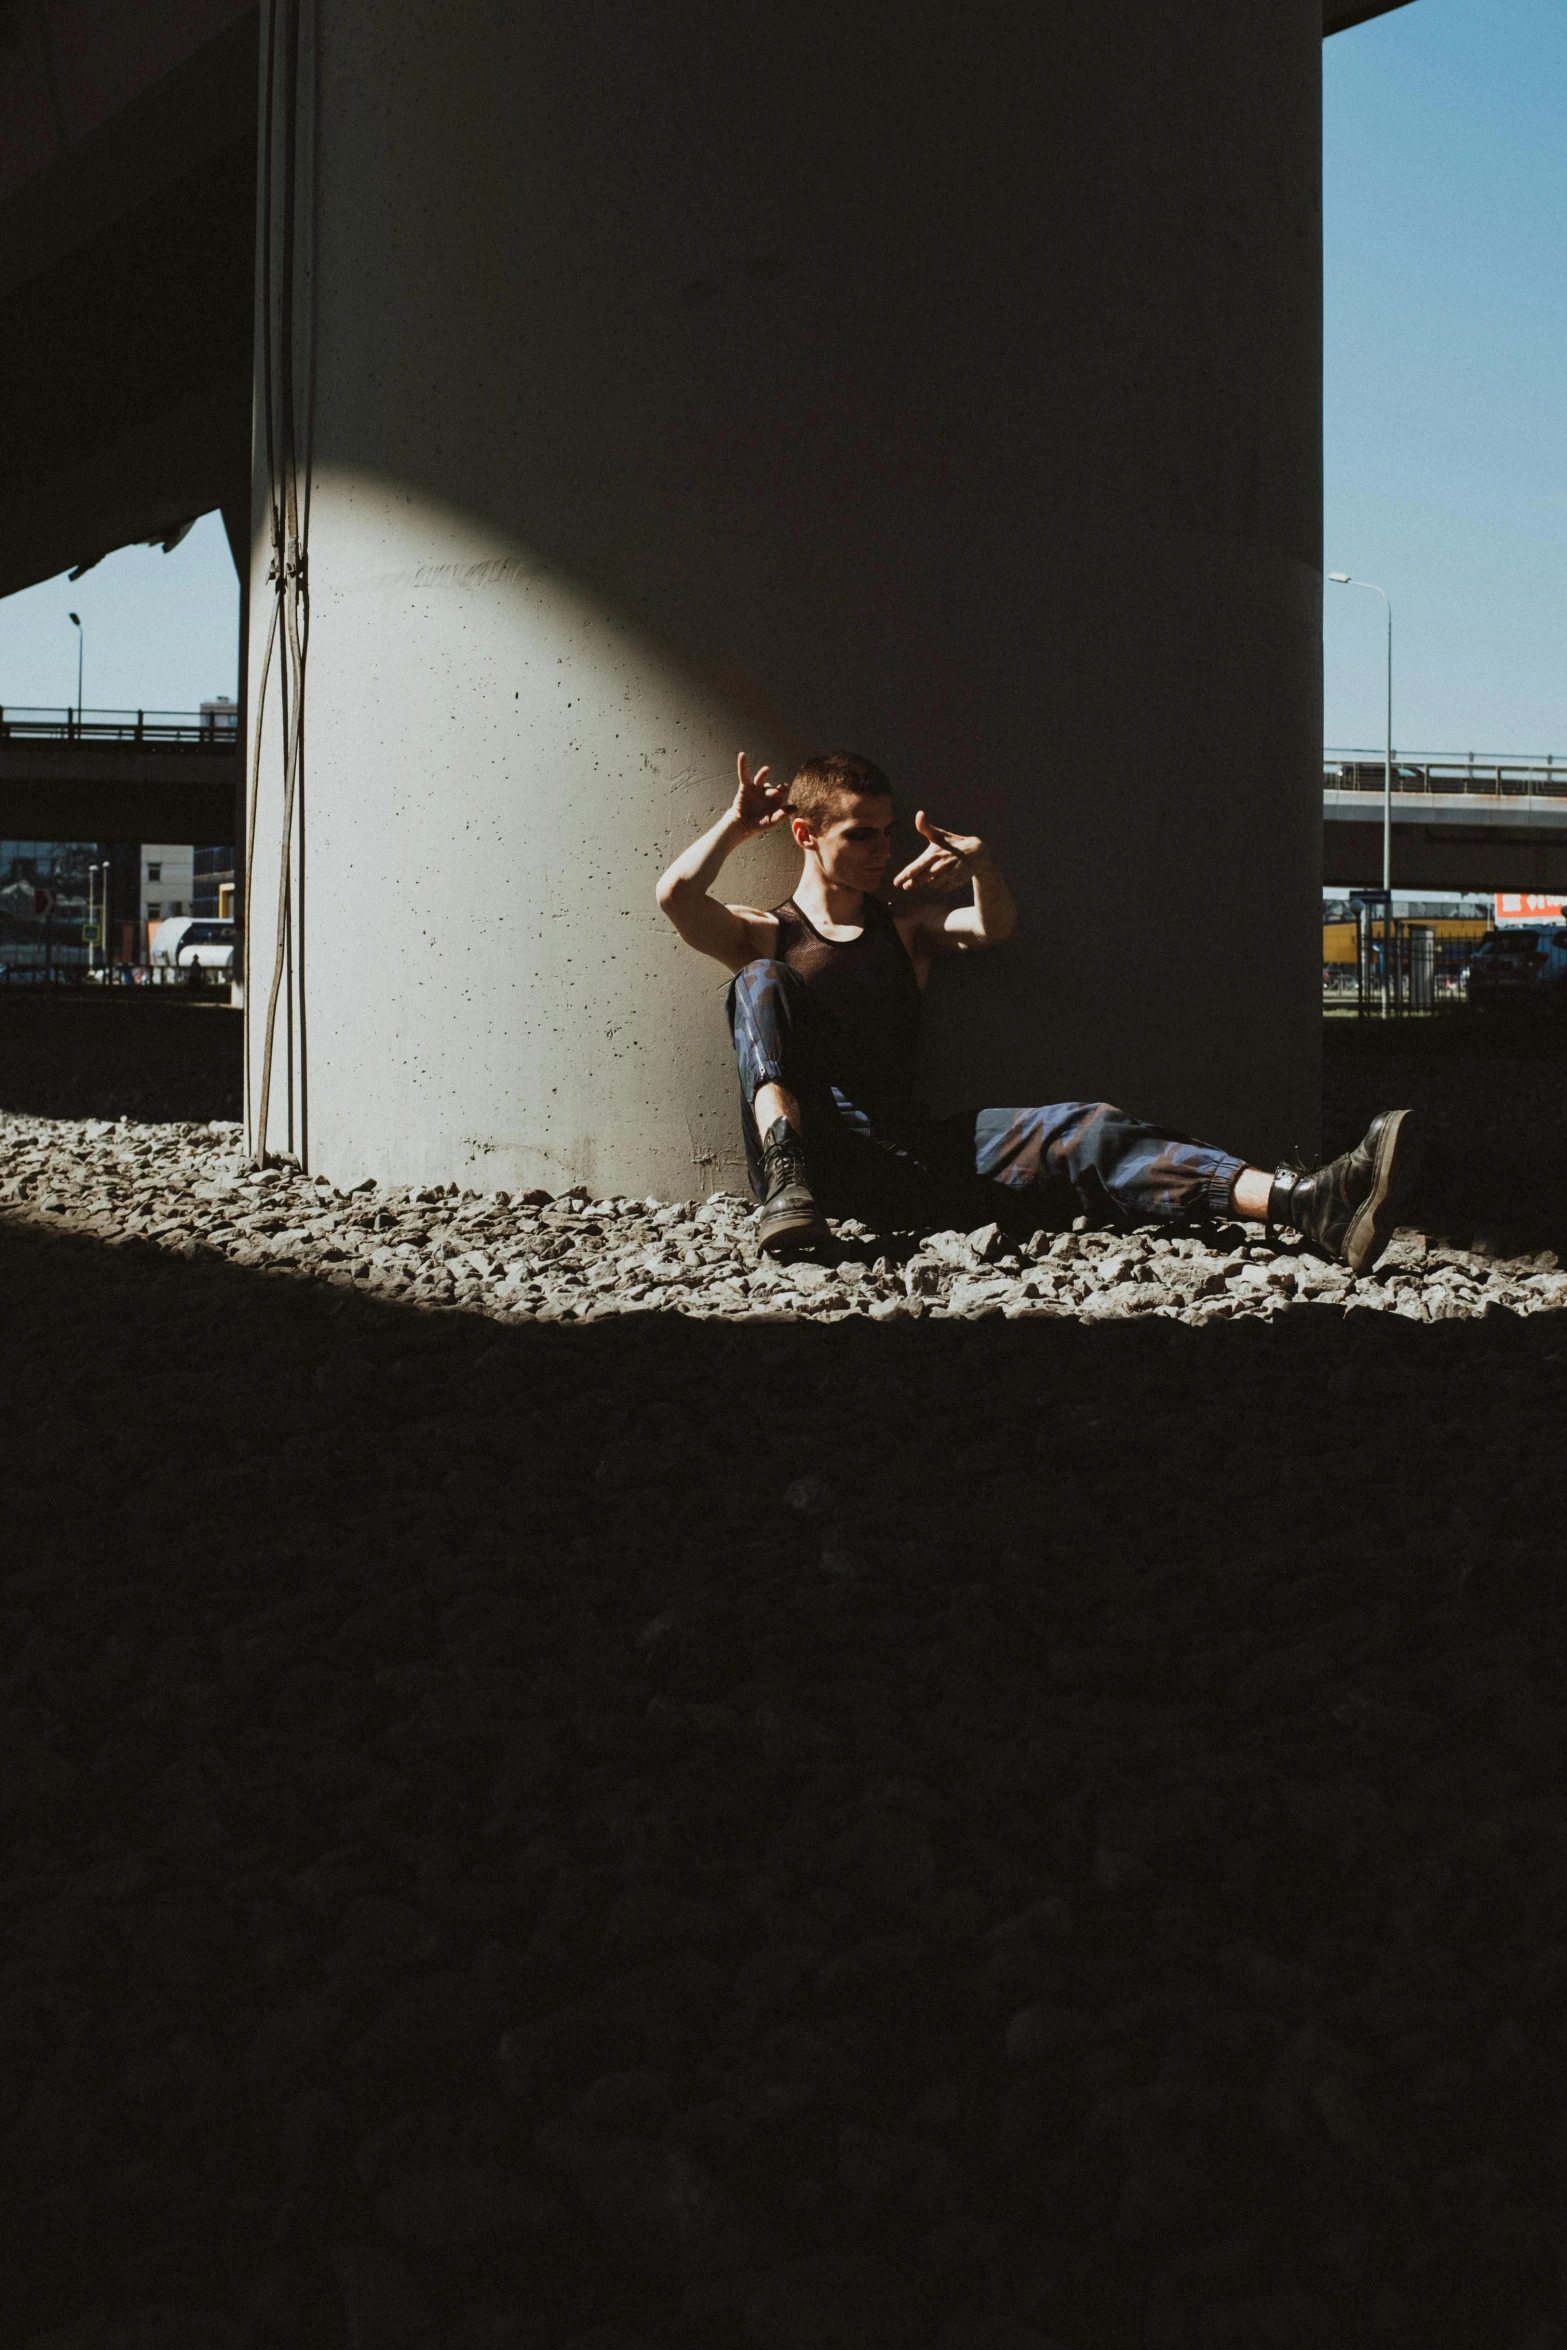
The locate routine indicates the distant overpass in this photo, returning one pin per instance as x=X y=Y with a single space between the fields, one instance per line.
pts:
x=1465 y=820
x=119 y=775
x=1462 y=820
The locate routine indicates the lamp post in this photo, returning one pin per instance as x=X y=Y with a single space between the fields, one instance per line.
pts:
x=1343 y=579
x=92 y=915
x=81 y=639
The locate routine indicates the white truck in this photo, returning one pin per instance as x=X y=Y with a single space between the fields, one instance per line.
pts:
x=193 y=943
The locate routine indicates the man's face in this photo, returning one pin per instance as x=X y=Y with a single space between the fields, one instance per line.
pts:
x=855 y=844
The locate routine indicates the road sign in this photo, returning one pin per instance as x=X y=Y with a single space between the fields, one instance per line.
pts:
x=89 y=934
x=1528 y=905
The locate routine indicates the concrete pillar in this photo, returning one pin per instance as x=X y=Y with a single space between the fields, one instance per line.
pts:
x=937 y=383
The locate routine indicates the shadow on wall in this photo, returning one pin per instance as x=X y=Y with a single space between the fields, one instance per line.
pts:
x=787 y=425
x=485 y=1858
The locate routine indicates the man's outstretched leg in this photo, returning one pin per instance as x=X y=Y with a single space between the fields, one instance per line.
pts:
x=1122 y=1167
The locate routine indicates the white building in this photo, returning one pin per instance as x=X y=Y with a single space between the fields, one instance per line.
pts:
x=167 y=875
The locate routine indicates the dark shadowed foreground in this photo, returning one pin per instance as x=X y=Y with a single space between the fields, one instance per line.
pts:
x=964 y=1836
x=118 y=1052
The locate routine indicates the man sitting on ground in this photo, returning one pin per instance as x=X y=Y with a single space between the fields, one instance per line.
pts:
x=824 y=1009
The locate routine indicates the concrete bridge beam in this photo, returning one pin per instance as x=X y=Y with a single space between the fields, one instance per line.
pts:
x=1477 y=856
x=52 y=791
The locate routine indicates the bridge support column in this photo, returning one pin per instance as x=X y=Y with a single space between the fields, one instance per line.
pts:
x=940 y=384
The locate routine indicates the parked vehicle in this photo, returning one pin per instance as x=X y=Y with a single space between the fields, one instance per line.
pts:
x=1508 y=963
x=189 y=941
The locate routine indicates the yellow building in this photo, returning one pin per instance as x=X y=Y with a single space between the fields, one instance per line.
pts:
x=1339 y=944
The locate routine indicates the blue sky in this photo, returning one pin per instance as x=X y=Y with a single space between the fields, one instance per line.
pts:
x=161 y=631
x=1445 y=170
x=1445 y=236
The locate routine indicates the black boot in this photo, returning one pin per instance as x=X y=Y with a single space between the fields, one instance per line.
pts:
x=1346 y=1208
x=790 y=1216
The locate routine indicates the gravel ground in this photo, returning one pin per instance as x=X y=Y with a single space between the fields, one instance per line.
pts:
x=185 y=1188
x=1022 y=1807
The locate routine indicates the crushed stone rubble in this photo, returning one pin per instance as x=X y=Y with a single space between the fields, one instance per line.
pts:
x=573 y=1258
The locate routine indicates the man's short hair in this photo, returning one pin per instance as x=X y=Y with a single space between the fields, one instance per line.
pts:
x=836 y=775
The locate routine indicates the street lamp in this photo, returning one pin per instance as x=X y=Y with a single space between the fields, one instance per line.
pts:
x=1342 y=579
x=81 y=639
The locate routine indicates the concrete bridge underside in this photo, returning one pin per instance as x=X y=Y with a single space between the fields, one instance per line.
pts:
x=60 y=792
x=1450 y=844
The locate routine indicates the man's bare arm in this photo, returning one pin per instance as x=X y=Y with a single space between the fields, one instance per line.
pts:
x=732 y=935
x=992 y=918
x=952 y=860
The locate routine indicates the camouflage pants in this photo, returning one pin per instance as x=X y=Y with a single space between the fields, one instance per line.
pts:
x=1023 y=1168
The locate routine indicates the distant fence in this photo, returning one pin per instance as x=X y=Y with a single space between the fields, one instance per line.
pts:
x=1399 y=965
x=1485 y=774
x=1422 y=974
x=199 y=730
x=68 y=967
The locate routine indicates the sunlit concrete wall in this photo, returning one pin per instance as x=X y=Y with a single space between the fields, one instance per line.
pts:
x=937 y=383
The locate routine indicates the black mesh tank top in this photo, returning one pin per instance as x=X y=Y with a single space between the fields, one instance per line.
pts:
x=869 y=995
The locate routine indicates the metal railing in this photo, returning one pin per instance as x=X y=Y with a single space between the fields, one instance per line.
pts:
x=200 y=730
x=1420 y=979
x=70 y=967
x=1488 y=774
x=1402 y=966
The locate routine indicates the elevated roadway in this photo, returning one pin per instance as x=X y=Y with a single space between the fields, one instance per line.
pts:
x=1461 y=820
x=1466 y=820
x=118 y=775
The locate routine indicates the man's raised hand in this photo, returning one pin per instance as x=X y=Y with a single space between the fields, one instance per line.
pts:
x=947 y=864
x=758 y=804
